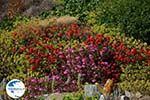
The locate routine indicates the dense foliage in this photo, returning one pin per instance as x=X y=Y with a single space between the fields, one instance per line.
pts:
x=13 y=63
x=9 y=24
x=76 y=8
x=131 y=16
x=54 y=56
x=135 y=78
x=66 y=52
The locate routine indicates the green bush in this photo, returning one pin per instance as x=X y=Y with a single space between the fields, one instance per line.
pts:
x=76 y=8
x=9 y=24
x=131 y=16
x=130 y=42
x=13 y=63
x=136 y=78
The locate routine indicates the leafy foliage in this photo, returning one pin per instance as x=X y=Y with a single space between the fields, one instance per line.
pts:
x=132 y=17
x=136 y=78
x=9 y=24
x=60 y=52
x=13 y=63
x=76 y=8
x=64 y=51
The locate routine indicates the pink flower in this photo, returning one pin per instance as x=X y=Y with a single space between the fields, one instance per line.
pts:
x=93 y=80
x=55 y=77
x=84 y=60
x=66 y=72
x=33 y=80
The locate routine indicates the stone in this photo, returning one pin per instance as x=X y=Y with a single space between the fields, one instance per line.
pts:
x=124 y=98
x=138 y=95
x=2 y=84
x=37 y=7
x=28 y=7
x=28 y=4
x=37 y=2
x=102 y=97
x=57 y=96
x=134 y=96
x=90 y=90
x=3 y=96
x=145 y=98
x=45 y=96
x=129 y=94
x=3 y=9
x=31 y=11
x=46 y=5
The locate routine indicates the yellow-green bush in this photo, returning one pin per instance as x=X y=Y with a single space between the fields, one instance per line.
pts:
x=12 y=61
x=136 y=78
x=131 y=42
x=9 y=24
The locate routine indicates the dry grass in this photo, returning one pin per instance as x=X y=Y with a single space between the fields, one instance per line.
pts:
x=39 y=23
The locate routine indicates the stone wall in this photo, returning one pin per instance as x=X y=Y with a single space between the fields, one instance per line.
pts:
x=25 y=7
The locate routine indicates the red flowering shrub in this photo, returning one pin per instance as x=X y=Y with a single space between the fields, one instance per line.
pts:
x=130 y=51
x=42 y=46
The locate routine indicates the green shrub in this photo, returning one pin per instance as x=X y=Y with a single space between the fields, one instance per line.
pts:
x=131 y=16
x=74 y=96
x=79 y=96
x=9 y=24
x=13 y=63
x=101 y=28
x=130 y=42
x=136 y=78
x=76 y=8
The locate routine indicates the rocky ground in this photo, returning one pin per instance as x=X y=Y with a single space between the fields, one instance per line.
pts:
x=59 y=96
x=29 y=7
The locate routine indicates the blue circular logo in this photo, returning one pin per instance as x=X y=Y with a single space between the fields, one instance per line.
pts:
x=15 y=88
